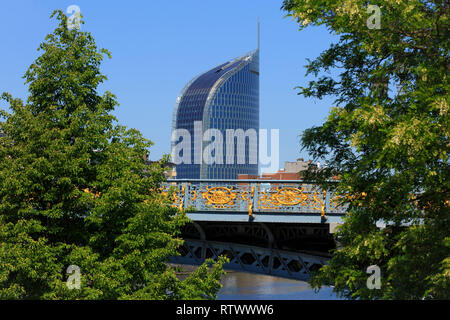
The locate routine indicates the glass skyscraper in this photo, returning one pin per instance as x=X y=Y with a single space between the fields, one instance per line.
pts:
x=223 y=98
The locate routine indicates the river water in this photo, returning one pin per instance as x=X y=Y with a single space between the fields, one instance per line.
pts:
x=250 y=286
x=238 y=285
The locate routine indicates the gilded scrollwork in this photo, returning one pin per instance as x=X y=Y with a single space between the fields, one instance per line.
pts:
x=335 y=201
x=287 y=196
x=290 y=196
x=315 y=200
x=175 y=196
x=255 y=197
x=250 y=202
x=180 y=206
x=219 y=197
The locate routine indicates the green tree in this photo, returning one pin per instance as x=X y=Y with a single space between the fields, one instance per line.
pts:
x=387 y=138
x=75 y=190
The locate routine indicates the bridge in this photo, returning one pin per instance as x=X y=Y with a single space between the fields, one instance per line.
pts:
x=277 y=227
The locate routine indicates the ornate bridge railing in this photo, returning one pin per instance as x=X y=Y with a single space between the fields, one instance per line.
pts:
x=254 y=197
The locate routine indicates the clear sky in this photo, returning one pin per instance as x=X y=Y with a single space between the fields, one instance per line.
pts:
x=158 y=46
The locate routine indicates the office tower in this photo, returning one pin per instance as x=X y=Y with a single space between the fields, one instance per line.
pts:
x=224 y=98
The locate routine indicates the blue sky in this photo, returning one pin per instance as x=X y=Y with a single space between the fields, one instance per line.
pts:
x=157 y=46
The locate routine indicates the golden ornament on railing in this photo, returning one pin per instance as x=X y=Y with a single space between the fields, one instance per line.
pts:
x=316 y=202
x=290 y=196
x=250 y=202
x=266 y=201
x=180 y=207
x=322 y=204
x=219 y=197
x=335 y=202
x=287 y=196
x=248 y=196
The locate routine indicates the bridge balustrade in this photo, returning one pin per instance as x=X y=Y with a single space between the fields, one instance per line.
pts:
x=255 y=197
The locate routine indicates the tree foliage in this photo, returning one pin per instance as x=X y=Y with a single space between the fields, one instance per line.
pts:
x=387 y=138
x=75 y=190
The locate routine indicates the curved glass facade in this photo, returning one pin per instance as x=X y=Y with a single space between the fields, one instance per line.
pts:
x=224 y=98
